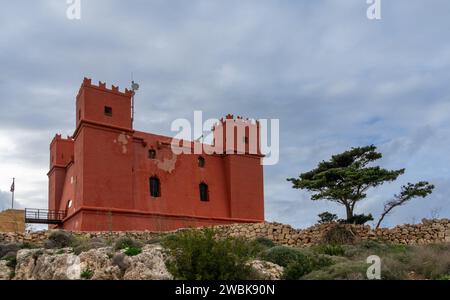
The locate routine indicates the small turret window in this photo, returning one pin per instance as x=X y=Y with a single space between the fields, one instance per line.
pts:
x=108 y=111
x=201 y=162
x=152 y=154
x=204 y=192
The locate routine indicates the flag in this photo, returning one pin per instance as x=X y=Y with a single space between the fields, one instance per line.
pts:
x=13 y=186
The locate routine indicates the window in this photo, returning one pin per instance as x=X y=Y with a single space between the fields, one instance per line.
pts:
x=152 y=154
x=69 y=204
x=108 y=111
x=79 y=114
x=245 y=140
x=204 y=192
x=201 y=162
x=155 y=188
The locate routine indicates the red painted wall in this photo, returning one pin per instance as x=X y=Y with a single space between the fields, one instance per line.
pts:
x=104 y=171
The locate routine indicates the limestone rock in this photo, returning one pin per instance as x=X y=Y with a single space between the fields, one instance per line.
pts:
x=148 y=265
x=5 y=271
x=266 y=270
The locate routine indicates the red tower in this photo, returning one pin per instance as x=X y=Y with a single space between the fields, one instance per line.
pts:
x=110 y=177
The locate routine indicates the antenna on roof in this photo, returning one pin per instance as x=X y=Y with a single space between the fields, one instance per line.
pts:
x=134 y=88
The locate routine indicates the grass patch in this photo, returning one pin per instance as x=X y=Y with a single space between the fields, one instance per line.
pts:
x=132 y=251
x=86 y=274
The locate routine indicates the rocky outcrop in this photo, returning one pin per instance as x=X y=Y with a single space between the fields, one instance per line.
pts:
x=149 y=265
x=265 y=270
x=5 y=270
x=95 y=264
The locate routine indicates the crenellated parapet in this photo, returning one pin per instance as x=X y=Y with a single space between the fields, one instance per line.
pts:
x=87 y=83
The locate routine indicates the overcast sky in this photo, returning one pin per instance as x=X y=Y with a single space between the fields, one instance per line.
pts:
x=335 y=80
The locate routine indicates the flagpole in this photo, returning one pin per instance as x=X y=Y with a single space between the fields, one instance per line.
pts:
x=13 y=190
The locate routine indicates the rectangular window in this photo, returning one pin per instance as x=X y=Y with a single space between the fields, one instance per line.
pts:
x=155 y=188
x=204 y=197
x=108 y=111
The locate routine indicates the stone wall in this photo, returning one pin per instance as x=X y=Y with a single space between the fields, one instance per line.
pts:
x=428 y=232
x=12 y=220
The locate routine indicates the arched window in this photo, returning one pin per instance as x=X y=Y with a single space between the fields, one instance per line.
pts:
x=151 y=154
x=201 y=162
x=204 y=193
x=155 y=187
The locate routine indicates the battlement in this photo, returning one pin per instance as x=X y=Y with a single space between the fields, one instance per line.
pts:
x=239 y=119
x=87 y=83
x=59 y=138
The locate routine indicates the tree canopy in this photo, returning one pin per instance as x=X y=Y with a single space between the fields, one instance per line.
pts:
x=346 y=177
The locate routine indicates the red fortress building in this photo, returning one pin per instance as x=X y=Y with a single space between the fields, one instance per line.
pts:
x=108 y=176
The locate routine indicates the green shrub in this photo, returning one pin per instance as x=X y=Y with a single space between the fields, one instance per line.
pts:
x=332 y=250
x=327 y=217
x=338 y=235
x=11 y=261
x=198 y=255
x=59 y=239
x=350 y=270
x=305 y=265
x=126 y=242
x=282 y=255
x=444 y=277
x=132 y=251
x=265 y=242
x=357 y=219
x=8 y=250
x=28 y=245
x=86 y=274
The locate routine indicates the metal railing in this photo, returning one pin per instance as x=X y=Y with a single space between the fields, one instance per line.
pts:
x=44 y=216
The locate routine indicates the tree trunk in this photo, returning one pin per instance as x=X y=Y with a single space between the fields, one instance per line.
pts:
x=349 y=211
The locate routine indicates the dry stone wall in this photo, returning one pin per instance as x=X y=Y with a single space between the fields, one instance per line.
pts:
x=427 y=232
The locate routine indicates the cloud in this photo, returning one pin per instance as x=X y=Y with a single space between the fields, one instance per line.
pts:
x=333 y=78
x=5 y=200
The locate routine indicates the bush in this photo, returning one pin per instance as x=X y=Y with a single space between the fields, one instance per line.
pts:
x=132 y=251
x=338 y=235
x=59 y=239
x=305 y=265
x=332 y=250
x=265 y=242
x=350 y=270
x=11 y=261
x=198 y=255
x=327 y=217
x=126 y=242
x=8 y=250
x=28 y=245
x=358 y=219
x=282 y=255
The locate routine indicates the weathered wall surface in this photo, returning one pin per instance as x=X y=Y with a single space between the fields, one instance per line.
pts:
x=12 y=221
x=428 y=232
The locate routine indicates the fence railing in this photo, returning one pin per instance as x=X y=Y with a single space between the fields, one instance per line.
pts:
x=44 y=216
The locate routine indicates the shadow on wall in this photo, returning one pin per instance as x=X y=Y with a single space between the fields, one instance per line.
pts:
x=12 y=220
